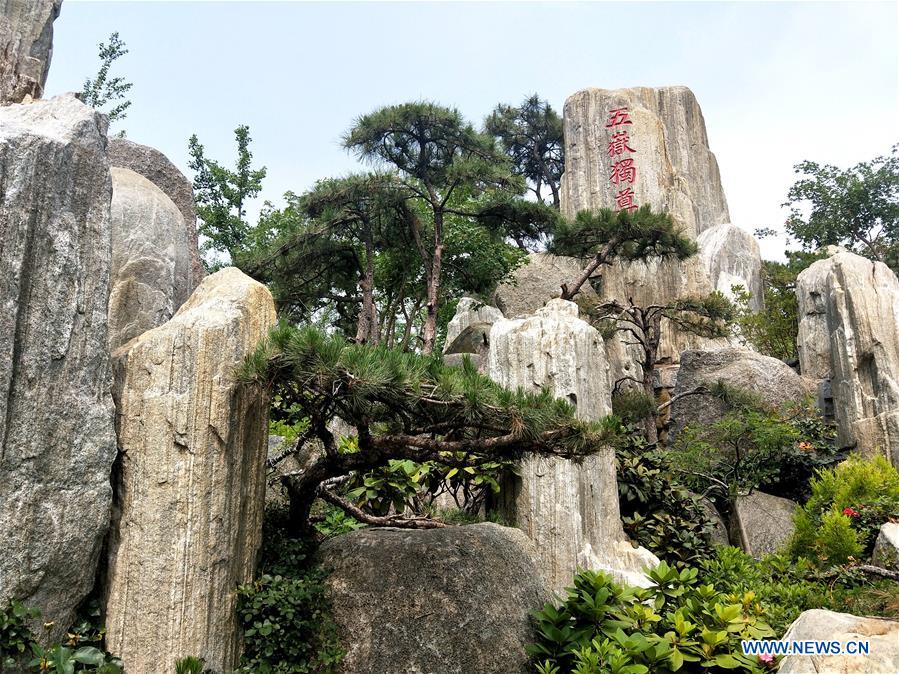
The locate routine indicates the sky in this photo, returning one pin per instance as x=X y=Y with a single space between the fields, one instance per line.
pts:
x=778 y=82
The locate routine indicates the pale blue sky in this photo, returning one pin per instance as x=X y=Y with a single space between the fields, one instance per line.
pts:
x=777 y=82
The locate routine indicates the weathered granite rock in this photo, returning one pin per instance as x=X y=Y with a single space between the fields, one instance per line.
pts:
x=886 y=548
x=852 y=305
x=537 y=282
x=156 y=167
x=881 y=634
x=453 y=600
x=469 y=311
x=57 y=441
x=676 y=171
x=26 y=45
x=190 y=479
x=773 y=381
x=762 y=524
x=731 y=257
x=569 y=510
x=151 y=266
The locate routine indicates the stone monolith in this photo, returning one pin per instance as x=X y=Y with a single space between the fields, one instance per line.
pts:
x=26 y=45
x=731 y=257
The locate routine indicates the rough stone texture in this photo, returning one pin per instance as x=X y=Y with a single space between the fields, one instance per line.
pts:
x=535 y=283
x=772 y=380
x=852 y=305
x=26 y=45
x=151 y=266
x=676 y=171
x=156 y=167
x=438 y=601
x=762 y=524
x=886 y=548
x=469 y=311
x=731 y=257
x=881 y=634
x=57 y=441
x=569 y=510
x=719 y=535
x=190 y=479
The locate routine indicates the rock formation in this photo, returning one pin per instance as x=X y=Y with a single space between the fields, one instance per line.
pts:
x=886 y=547
x=881 y=634
x=731 y=257
x=676 y=171
x=57 y=441
x=151 y=264
x=851 y=305
x=190 y=479
x=537 y=282
x=762 y=524
x=469 y=311
x=156 y=167
x=454 y=600
x=569 y=510
x=26 y=45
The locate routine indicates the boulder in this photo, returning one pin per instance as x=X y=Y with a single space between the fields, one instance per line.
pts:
x=719 y=534
x=569 y=509
x=676 y=171
x=731 y=257
x=849 y=328
x=475 y=339
x=57 y=439
x=156 y=167
x=535 y=283
x=453 y=600
x=881 y=634
x=771 y=380
x=189 y=481
x=26 y=43
x=151 y=266
x=469 y=311
x=886 y=548
x=762 y=524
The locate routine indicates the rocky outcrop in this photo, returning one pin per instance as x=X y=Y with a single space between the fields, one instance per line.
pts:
x=881 y=634
x=569 y=510
x=57 y=441
x=676 y=171
x=886 y=547
x=772 y=381
x=537 y=282
x=762 y=524
x=156 y=167
x=26 y=45
x=453 y=600
x=468 y=312
x=190 y=479
x=151 y=265
x=731 y=257
x=851 y=304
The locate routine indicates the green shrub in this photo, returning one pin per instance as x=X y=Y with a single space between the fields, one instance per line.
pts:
x=677 y=624
x=15 y=635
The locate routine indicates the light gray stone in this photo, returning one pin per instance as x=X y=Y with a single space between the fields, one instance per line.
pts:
x=469 y=311
x=57 y=441
x=886 y=547
x=190 y=480
x=881 y=634
x=156 y=167
x=535 y=283
x=731 y=257
x=26 y=45
x=676 y=171
x=151 y=272
x=762 y=523
x=569 y=509
x=454 y=600
x=849 y=327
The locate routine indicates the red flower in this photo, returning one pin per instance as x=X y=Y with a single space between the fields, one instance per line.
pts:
x=849 y=512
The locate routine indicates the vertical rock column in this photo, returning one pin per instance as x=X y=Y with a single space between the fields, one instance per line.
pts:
x=570 y=510
x=190 y=485
x=57 y=441
x=26 y=45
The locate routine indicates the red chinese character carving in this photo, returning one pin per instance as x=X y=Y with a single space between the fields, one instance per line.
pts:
x=618 y=116
x=625 y=199
x=624 y=171
x=619 y=144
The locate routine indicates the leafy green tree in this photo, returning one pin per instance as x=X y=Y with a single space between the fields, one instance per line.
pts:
x=402 y=406
x=857 y=207
x=221 y=196
x=606 y=236
x=103 y=89
x=531 y=136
